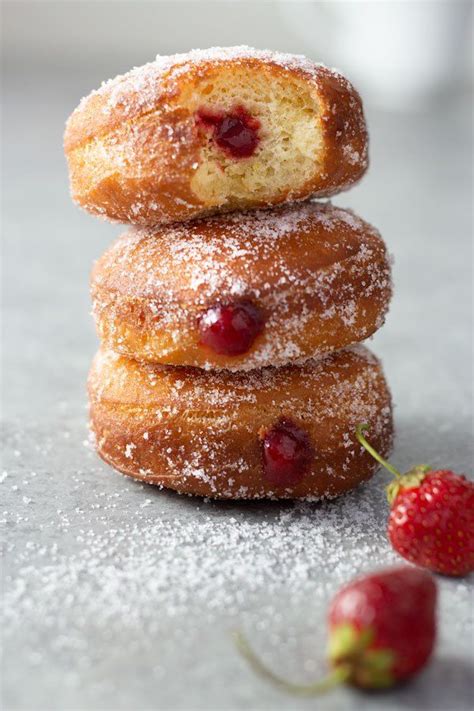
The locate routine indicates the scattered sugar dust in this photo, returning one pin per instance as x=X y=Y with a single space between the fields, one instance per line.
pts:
x=103 y=573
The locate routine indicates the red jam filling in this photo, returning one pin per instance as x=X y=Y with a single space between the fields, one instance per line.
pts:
x=287 y=453
x=230 y=329
x=235 y=132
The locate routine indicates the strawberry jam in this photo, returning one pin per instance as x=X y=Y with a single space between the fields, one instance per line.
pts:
x=287 y=453
x=235 y=132
x=230 y=329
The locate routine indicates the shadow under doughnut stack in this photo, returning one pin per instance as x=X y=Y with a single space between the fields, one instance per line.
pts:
x=229 y=311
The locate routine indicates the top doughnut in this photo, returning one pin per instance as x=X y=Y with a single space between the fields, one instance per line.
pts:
x=212 y=131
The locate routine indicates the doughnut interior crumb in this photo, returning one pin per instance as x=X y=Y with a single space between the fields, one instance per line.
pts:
x=143 y=149
x=290 y=137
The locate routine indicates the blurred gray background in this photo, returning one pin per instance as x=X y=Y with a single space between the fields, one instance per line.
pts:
x=88 y=625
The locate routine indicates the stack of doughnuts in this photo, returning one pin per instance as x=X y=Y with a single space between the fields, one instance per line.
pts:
x=231 y=312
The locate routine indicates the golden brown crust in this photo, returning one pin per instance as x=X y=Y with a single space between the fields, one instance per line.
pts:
x=133 y=148
x=319 y=274
x=200 y=433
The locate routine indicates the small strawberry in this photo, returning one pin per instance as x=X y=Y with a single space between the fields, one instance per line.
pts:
x=383 y=626
x=431 y=521
x=382 y=629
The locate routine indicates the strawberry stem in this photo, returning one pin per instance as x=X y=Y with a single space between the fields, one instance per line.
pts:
x=359 y=434
x=339 y=675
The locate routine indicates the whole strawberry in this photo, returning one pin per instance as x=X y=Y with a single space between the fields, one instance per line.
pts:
x=431 y=521
x=382 y=629
x=383 y=626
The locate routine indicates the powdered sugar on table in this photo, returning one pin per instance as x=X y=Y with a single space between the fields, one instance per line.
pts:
x=111 y=573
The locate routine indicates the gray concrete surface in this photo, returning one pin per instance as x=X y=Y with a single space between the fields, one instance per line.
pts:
x=117 y=596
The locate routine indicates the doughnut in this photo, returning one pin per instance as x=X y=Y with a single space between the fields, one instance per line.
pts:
x=243 y=290
x=284 y=432
x=214 y=130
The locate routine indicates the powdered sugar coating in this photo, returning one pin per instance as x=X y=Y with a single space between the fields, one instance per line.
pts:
x=320 y=274
x=203 y=430
x=145 y=83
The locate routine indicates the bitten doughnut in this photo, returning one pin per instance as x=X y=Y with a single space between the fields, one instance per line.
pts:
x=214 y=130
x=243 y=290
x=277 y=432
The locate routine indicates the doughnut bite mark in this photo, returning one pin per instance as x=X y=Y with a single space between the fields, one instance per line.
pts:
x=212 y=131
x=243 y=290
x=271 y=433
